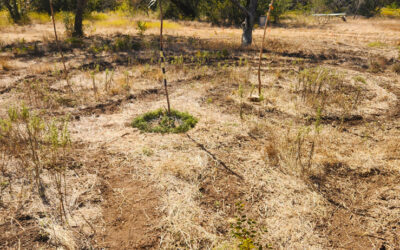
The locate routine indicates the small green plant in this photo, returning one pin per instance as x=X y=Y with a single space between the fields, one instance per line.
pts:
x=321 y=87
x=75 y=42
x=358 y=80
x=93 y=76
x=126 y=86
x=240 y=93
x=177 y=60
x=299 y=142
x=147 y=151
x=159 y=121
x=108 y=80
x=317 y=130
x=225 y=53
x=141 y=27
x=246 y=231
x=377 y=44
x=122 y=44
x=68 y=20
x=38 y=146
x=59 y=140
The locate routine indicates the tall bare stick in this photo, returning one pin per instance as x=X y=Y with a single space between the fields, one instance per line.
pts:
x=162 y=57
x=262 y=46
x=58 y=45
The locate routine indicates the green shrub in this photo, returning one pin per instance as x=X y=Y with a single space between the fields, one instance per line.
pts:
x=246 y=231
x=68 y=19
x=141 y=27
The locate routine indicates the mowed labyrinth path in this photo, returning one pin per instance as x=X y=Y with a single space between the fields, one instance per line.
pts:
x=335 y=188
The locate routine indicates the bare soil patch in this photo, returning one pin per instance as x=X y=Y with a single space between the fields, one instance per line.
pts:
x=130 y=212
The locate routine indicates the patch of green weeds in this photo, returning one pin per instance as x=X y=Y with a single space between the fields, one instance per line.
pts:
x=159 y=121
x=74 y=42
x=376 y=44
x=147 y=151
x=141 y=27
x=246 y=231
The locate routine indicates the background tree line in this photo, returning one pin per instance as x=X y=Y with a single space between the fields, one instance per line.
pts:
x=219 y=12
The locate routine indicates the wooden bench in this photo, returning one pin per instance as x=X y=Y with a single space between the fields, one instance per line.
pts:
x=325 y=18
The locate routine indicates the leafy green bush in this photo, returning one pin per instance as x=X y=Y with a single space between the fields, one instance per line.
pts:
x=141 y=27
x=37 y=144
x=159 y=121
x=246 y=231
x=68 y=19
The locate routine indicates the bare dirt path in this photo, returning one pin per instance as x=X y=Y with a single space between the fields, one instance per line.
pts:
x=130 y=211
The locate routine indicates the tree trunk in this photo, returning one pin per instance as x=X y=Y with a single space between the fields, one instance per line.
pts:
x=17 y=15
x=250 y=12
x=80 y=9
x=247 y=36
x=13 y=10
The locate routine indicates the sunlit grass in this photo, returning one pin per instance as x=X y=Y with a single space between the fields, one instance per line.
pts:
x=4 y=19
x=390 y=12
x=167 y=25
x=97 y=16
x=60 y=16
x=376 y=44
x=37 y=17
x=114 y=23
x=111 y=19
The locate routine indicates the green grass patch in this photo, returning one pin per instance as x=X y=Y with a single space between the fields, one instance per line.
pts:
x=115 y=23
x=4 y=19
x=390 y=12
x=97 y=16
x=377 y=44
x=167 y=25
x=159 y=121
x=37 y=17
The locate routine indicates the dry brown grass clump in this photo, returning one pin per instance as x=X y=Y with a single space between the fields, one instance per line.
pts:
x=396 y=68
x=5 y=64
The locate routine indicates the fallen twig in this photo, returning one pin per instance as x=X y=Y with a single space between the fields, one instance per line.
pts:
x=214 y=157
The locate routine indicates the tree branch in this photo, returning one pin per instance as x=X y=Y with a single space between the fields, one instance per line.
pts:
x=241 y=7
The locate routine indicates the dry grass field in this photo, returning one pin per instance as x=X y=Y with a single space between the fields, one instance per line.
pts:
x=315 y=165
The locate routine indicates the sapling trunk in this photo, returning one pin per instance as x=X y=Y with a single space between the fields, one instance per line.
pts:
x=94 y=84
x=58 y=44
x=262 y=47
x=162 y=57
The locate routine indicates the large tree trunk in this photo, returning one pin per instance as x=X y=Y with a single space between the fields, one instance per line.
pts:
x=247 y=36
x=17 y=15
x=250 y=12
x=80 y=9
x=13 y=10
